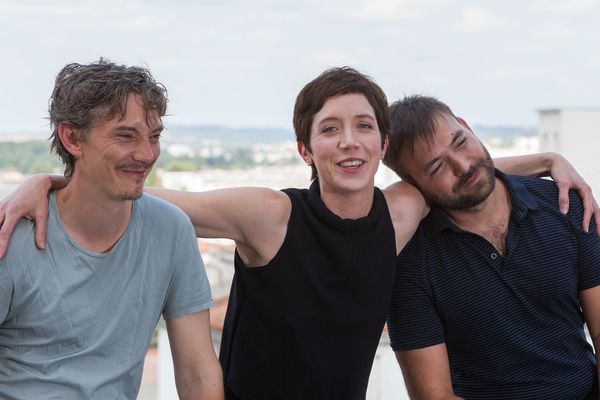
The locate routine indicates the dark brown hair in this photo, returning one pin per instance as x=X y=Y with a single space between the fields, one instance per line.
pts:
x=84 y=93
x=412 y=118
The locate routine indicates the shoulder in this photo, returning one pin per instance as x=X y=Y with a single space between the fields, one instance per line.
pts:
x=22 y=239
x=403 y=197
x=544 y=191
x=407 y=207
x=537 y=186
x=295 y=194
x=157 y=212
x=545 y=194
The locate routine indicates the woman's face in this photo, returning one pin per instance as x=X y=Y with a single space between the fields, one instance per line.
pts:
x=345 y=145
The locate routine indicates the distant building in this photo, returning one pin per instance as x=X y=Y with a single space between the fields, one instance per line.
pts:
x=274 y=177
x=11 y=175
x=574 y=133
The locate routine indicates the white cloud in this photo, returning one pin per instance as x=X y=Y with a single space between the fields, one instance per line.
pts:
x=333 y=58
x=568 y=32
x=565 y=6
x=393 y=10
x=556 y=32
x=18 y=9
x=478 y=19
x=143 y=23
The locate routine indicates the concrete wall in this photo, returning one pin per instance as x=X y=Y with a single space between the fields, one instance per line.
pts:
x=574 y=133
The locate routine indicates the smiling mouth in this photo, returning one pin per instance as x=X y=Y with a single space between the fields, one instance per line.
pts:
x=139 y=174
x=351 y=164
x=472 y=179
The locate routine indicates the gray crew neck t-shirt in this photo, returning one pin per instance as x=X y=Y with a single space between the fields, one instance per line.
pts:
x=75 y=324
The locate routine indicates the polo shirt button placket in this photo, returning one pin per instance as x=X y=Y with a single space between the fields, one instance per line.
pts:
x=496 y=261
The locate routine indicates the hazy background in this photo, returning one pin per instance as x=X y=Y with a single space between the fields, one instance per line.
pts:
x=241 y=63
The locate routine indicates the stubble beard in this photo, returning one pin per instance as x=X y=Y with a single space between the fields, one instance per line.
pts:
x=130 y=195
x=466 y=199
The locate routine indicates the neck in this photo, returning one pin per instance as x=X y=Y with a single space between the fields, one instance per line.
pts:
x=96 y=224
x=349 y=205
x=494 y=208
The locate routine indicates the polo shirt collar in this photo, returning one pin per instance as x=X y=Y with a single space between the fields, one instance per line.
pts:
x=521 y=202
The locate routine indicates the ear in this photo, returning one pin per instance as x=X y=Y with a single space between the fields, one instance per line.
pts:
x=304 y=153
x=384 y=146
x=70 y=138
x=464 y=123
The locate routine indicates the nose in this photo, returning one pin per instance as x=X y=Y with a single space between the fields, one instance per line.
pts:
x=146 y=151
x=460 y=165
x=348 y=139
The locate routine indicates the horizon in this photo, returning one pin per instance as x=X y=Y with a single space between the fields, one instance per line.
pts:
x=46 y=131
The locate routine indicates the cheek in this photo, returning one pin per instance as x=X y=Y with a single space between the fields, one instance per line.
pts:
x=321 y=147
x=156 y=150
x=444 y=183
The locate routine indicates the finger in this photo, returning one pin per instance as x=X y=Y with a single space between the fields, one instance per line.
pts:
x=563 y=198
x=588 y=211
x=597 y=217
x=41 y=223
x=5 y=234
x=589 y=207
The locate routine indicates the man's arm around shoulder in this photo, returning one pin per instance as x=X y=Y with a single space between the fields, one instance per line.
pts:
x=426 y=373
x=197 y=371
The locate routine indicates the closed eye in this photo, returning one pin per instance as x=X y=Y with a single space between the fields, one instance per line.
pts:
x=155 y=138
x=435 y=169
x=125 y=135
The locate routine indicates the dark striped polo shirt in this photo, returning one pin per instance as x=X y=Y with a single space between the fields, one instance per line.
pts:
x=512 y=324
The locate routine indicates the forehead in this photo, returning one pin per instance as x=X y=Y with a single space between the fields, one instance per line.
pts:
x=344 y=105
x=445 y=128
x=136 y=115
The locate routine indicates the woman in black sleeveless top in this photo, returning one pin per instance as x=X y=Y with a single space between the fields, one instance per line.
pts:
x=305 y=323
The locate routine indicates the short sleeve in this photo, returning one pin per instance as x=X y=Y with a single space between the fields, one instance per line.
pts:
x=189 y=291
x=6 y=290
x=588 y=246
x=413 y=321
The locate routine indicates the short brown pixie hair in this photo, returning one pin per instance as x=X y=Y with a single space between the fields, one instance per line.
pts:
x=85 y=92
x=330 y=83
x=413 y=117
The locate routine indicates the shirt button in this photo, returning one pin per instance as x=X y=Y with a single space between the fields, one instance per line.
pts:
x=494 y=256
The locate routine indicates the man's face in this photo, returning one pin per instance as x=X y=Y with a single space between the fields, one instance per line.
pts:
x=118 y=154
x=455 y=171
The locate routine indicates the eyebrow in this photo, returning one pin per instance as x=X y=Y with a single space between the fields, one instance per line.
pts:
x=327 y=119
x=158 y=129
x=457 y=135
x=364 y=116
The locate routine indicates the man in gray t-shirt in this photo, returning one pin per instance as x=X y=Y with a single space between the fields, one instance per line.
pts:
x=77 y=318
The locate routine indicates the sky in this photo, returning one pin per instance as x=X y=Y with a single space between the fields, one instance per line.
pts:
x=242 y=63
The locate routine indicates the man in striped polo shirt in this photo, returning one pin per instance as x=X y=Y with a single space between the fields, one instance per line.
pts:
x=493 y=291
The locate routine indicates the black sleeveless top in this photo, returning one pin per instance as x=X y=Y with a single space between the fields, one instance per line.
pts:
x=307 y=325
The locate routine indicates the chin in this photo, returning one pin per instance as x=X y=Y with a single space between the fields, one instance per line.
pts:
x=131 y=195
